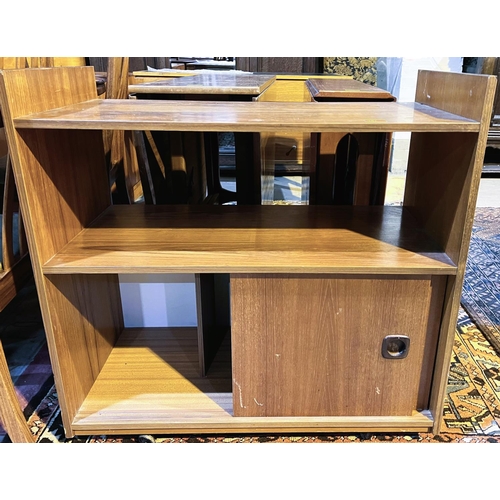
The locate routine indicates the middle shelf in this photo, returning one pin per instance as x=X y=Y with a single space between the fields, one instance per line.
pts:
x=258 y=239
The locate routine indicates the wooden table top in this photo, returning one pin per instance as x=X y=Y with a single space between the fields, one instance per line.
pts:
x=208 y=83
x=322 y=89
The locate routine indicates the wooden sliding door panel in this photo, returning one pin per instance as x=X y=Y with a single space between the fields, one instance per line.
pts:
x=312 y=346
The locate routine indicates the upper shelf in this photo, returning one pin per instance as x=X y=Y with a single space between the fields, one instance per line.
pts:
x=131 y=114
x=253 y=238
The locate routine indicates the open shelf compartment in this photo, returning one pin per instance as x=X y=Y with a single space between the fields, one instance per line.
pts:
x=150 y=384
x=152 y=377
x=225 y=239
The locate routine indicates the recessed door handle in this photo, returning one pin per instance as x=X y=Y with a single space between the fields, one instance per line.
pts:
x=395 y=346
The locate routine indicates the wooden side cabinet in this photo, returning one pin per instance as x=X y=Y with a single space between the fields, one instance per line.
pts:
x=342 y=317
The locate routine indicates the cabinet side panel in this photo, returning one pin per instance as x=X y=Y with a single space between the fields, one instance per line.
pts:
x=86 y=320
x=311 y=346
x=62 y=185
x=456 y=162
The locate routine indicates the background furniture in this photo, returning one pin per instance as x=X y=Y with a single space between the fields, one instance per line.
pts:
x=489 y=66
x=177 y=151
x=285 y=65
x=352 y=168
x=11 y=416
x=342 y=317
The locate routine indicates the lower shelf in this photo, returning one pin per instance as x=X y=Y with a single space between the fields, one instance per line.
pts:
x=150 y=384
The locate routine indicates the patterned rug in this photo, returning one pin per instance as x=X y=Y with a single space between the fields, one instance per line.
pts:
x=481 y=291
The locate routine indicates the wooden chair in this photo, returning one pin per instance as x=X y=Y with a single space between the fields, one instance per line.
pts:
x=11 y=415
x=15 y=268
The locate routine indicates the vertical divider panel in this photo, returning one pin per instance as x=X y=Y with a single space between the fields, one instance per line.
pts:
x=212 y=303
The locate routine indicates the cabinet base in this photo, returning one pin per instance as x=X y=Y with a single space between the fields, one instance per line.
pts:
x=150 y=384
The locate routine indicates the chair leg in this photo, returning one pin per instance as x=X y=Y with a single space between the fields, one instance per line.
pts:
x=10 y=412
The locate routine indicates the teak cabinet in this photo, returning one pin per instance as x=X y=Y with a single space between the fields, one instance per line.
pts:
x=342 y=317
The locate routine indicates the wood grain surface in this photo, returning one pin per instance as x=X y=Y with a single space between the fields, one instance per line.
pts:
x=311 y=345
x=201 y=116
x=270 y=238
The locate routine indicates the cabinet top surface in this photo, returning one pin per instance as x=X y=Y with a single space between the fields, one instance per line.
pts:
x=131 y=114
x=207 y=83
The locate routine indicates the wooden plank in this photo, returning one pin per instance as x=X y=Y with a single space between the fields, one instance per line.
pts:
x=11 y=415
x=311 y=345
x=109 y=423
x=258 y=239
x=14 y=279
x=8 y=209
x=202 y=116
x=54 y=178
x=439 y=173
x=462 y=94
